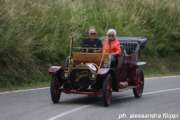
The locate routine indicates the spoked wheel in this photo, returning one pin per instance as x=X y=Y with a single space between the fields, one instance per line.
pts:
x=55 y=89
x=139 y=84
x=107 y=90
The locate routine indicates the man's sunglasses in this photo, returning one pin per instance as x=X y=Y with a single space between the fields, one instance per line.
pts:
x=92 y=33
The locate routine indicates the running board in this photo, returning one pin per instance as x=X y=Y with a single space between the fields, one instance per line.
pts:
x=126 y=88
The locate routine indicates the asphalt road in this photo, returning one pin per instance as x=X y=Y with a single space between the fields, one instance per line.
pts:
x=161 y=101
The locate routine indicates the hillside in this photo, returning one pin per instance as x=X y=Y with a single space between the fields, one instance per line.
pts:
x=35 y=34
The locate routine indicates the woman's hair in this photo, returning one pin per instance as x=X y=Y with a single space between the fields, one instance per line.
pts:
x=111 y=31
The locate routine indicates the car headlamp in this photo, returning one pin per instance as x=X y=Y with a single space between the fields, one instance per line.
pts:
x=92 y=67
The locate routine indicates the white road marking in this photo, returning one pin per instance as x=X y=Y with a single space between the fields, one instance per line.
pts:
x=27 y=90
x=161 y=91
x=86 y=106
x=68 y=112
x=162 y=77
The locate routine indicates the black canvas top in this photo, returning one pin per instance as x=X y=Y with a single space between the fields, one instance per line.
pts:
x=140 y=40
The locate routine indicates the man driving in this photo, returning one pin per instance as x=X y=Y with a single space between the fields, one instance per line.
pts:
x=92 y=41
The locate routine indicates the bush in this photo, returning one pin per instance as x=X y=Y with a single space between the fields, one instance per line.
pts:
x=35 y=34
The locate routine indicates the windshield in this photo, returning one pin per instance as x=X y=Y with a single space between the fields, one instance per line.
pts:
x=87 y=49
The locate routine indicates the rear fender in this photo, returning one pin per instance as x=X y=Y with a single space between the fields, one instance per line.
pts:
x=141 y=63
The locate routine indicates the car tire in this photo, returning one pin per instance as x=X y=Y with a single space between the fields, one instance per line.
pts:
x=107 y=90
x=55 y=89
x=139 y=83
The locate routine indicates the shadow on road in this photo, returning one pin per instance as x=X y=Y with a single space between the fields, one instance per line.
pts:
x=97 y=101
x=85 y=100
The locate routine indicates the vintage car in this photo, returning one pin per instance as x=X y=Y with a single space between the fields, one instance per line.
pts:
x=88 y=71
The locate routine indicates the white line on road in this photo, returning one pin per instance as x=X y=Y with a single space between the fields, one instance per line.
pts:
x=162 y=77
x=161 y=91
x=17 y=91
x=27 y=90
x=68 y=112
x=85 y=106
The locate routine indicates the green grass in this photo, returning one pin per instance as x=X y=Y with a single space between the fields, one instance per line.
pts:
x=25 y=86
x=35 y=34
x=157 y=66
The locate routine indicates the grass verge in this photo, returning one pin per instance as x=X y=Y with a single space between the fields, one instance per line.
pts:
x=155 y=67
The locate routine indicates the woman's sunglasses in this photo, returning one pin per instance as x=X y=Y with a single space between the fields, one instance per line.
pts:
x=111 y=36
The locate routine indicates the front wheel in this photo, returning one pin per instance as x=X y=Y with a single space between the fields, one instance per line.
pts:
x=55 y=89
x=107 y=90
x=139 y=84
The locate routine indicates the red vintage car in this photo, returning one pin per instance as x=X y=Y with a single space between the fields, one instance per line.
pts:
x=88 y=71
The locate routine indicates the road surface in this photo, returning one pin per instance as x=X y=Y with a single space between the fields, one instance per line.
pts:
x=160 y=101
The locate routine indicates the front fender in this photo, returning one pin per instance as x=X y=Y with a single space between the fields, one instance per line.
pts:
x=103 y=71
x=54 y=69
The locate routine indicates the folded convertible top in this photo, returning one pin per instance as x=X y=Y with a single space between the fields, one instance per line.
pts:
x=140 y=40
x=124 y=40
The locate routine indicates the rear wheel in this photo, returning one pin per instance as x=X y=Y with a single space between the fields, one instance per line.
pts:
x=139 y=84
x=55 y=90
x=107 y=90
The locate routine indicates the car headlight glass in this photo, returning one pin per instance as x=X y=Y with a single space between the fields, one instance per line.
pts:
x=92 y=67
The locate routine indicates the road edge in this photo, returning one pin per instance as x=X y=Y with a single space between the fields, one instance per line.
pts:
x=42 y=88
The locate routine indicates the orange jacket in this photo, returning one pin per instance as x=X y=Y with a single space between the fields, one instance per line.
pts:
x=113 y=47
